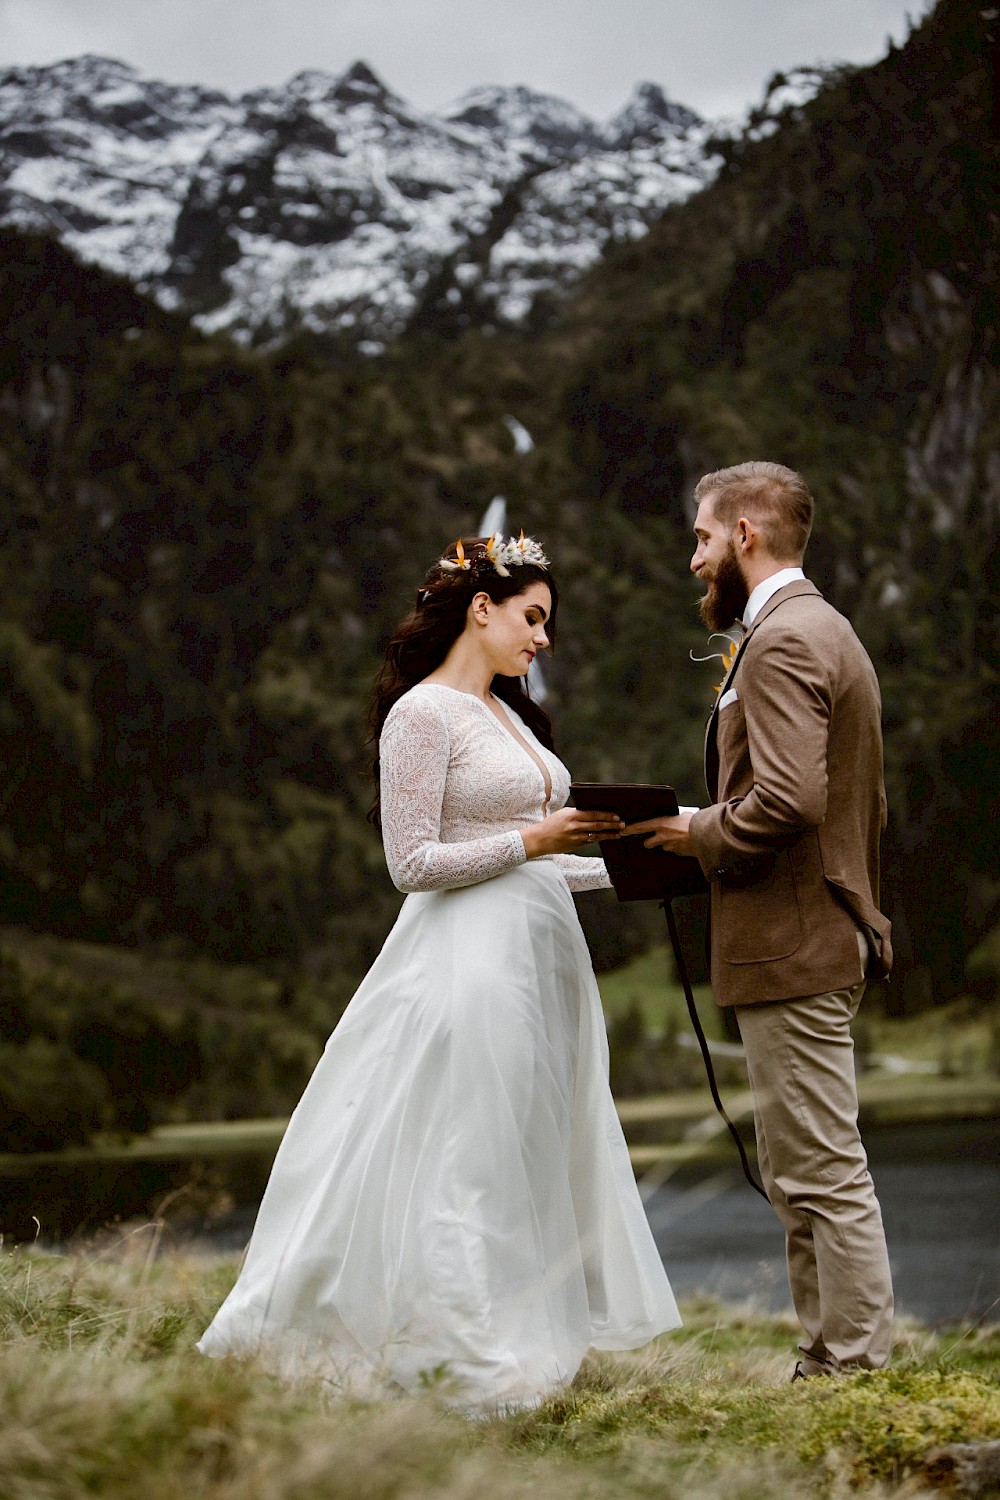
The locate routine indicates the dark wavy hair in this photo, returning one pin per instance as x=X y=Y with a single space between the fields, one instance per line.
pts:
x=422 y=640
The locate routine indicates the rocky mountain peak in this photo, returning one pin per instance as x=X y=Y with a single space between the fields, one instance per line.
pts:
x=89 y=71
x=359 y=84
x=522 y=115
x=648 y=115
x=330 y=202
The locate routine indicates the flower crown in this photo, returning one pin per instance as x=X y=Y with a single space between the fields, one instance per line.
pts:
x=503 y=555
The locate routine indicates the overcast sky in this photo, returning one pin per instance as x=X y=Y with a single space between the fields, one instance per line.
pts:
x=714 y=55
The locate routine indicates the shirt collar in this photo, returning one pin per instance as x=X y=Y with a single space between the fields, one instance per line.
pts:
x=766 y=590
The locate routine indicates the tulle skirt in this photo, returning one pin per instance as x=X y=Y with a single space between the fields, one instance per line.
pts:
x=453 y=1201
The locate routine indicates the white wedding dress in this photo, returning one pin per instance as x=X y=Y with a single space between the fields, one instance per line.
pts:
x=453 y=1199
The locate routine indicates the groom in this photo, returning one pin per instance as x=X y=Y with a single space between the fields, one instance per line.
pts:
x=793 y=762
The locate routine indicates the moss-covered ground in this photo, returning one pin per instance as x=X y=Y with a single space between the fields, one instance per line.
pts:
x=102 y=1393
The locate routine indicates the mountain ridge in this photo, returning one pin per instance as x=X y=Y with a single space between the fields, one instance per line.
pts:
x=329 y=202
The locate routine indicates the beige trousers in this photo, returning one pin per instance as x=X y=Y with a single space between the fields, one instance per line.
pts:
x=800 y=1057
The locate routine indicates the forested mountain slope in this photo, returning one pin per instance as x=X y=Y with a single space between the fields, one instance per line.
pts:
x=203 y=547
x=831 y=301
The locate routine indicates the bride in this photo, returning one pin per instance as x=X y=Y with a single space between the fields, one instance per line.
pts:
x=453 y=1200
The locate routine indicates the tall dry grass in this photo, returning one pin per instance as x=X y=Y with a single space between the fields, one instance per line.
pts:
x=103 y=1394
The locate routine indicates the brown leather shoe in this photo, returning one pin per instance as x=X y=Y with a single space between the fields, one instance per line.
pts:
x=802 y=1373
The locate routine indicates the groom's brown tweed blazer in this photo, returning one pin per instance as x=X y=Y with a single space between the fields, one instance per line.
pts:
x=793 y=763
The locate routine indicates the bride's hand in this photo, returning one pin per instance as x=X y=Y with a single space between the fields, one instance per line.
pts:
x=567 y=830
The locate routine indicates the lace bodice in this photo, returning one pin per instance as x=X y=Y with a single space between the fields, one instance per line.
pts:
x=456 y=786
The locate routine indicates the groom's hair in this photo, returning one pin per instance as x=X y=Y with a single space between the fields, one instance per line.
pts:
x=775 y=499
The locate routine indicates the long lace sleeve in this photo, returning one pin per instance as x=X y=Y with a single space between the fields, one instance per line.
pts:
x=413 y=753
x=583 y=872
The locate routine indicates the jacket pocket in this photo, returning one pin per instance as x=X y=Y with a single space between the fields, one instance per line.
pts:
x=759 y=918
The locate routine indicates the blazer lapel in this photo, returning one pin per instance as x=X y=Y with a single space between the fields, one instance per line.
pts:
x=711 y=761
x=790 y=591
x=711 y=740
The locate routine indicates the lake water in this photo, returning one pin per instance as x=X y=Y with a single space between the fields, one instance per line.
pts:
x=939 y=1187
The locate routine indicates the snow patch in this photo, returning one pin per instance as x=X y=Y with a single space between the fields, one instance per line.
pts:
x=331 y=201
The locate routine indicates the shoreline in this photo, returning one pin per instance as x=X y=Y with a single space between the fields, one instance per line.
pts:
x=684 y=1122
x=208 y=1167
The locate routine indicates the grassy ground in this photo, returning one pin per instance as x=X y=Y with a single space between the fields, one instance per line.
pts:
x=102 y=1394
x=960 y=1038
x=649 y=984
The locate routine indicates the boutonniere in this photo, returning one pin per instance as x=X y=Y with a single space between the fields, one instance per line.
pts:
x=727 y=656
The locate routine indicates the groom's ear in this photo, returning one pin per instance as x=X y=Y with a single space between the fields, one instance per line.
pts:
x=747 y=535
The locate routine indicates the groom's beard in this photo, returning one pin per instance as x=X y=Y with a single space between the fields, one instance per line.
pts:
x=727 y=594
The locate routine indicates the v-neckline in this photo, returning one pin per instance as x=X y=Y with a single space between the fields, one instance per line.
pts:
x=511 y=732
x=519 y=739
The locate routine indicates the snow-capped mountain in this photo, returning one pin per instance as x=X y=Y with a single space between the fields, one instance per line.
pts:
x=330 y=202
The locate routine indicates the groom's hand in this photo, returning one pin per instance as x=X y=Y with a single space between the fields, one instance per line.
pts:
x=665 y=833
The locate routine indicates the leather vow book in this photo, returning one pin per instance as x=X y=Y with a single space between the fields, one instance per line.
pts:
x=638 y=873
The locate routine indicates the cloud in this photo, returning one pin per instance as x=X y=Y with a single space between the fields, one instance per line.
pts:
x=713 y=54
